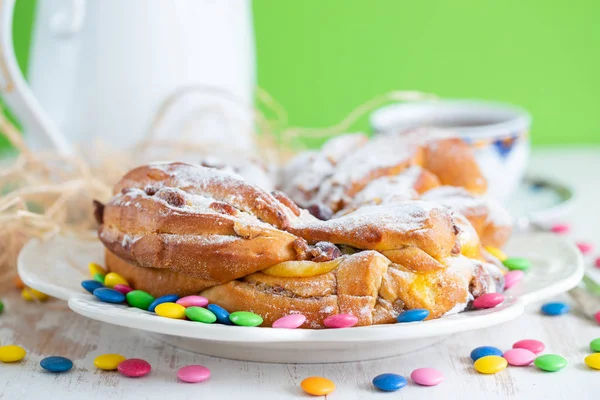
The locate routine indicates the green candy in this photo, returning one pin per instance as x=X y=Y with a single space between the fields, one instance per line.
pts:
x=99 y=277
x=200 y=314
x=595 y=345
x=550 y=362
x=139 y=299
x=245 y=318
x=1 y=306
x=516 y=263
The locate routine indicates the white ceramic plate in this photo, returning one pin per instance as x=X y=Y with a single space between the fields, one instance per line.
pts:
x=57 y=267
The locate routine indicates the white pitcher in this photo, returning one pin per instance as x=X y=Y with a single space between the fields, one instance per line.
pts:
x=102 y=68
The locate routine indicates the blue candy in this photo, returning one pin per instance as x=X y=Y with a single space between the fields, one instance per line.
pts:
x=90 y=286
x=416 y=314
x=109 y=295
x=389 y=382
x=56 y=364
x=555 y=308
x=221 y=313
x=169 y=298
x=483 y=351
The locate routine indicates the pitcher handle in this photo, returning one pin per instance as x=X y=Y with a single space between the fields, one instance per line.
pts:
x=16 y=92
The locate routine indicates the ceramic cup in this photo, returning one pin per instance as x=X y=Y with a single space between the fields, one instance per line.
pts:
x=498 y=133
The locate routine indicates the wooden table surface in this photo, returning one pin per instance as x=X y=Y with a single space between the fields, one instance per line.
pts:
x=52 y=329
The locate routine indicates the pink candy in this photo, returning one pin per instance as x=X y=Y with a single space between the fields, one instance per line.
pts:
x=512 y=278
x=291 y=321
x=193 y=301
x=585 y=247
x=193 y=374
x=519 y=357
x=560 y=228
x=488 y=300
x=427 y=376
x=122 y=288
x=340 y=321
x=597 y=262
x=535 y=346
x=597 y=317
x=134 y=368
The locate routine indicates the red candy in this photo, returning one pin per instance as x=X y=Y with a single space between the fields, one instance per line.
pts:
x=585 y=247
x=122 y=288
x=488 y=300
x=597 y=317
x=597 y=262
x=560 y=228
x=134 y=368
x=535 y=346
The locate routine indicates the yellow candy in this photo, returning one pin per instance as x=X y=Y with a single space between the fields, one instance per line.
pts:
x=10 y=354
x=496 y=252
x=30 y=294
x=96 y=269
x=170 y=310
x=490 y=364
x=317 y=386
x=112 y=279
x=593 y=360
x=108 y=362
x=301 y=269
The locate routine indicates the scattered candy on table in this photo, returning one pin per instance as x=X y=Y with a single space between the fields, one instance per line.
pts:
x=291 y=321
x=414 y=315
x=108 y=362
x=597 y=262
x=122 y=288
x=112 y=278
x=427 y=376
x=90 y=285
x=1 y=307
x=18 y=283
x=245 y=318
x=30 y=294
x=550 y=362
x=107 y=295
x=585 y=247
x=96 y=269
x=560 y=228
x=517 y=263
x=134 y=368
x=496 y=252
x=193 y=374
x=597 y=317
x=189 y=301
x=221 y=314
x=56 y=364
x=170 y=310
x=512 y=278
x=488 y=300
x=340 y=321
x=519 y=357
x=593 y=361
x=169 y=298
x=555 y=308
x=317 y=386
x=200 y=314
x=490 y=364
x=140 y=299
x=535 y=346
x=12 y=353
x=389 y=382
x=484 y=351
x=595 y=345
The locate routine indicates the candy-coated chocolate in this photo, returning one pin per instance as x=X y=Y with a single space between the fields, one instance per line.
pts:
x=597 y=317
x=91 y=285
x=221 y=314
x=30 y=294
x=18 y=282
x=245 y=318
x=107 y=295
x=513 y=263
x=597 y=262
x=170 y=310
x=560 y=228
x=1 y=307
x=134 y=368
x=488 y=300
x=484 y=351
x=96 y=269
x=317 y=386
x=519 y=357
x=112 y=278
x=56 y=364
x=99 y=277
x=200 y=314
x=193 y=301
x=389 y=382
x=122 y=288
x=490 y=364
x=550 y=362
x=193 y=374
x=511 y=278
x=496 y=252
x=140 y=299
x=595 y=345
x=340 y=321
x=12 y=353
x=585 y=247
x=427 y=376
x=593 y=361
x=108 y=362
x=535 y=346
x=291 y=321
x=414 y=315
x=556 y=308
x=169 y=298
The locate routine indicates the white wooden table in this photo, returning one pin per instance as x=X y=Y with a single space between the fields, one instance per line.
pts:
x=51 y=329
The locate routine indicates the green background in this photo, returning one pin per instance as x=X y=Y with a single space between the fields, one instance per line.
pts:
x=321 y=58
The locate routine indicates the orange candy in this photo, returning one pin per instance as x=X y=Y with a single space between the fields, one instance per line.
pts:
x=317 y=386
x=19 y=283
